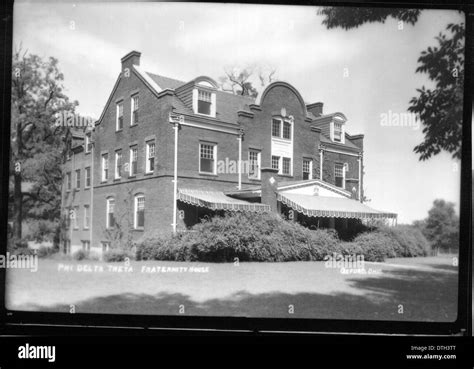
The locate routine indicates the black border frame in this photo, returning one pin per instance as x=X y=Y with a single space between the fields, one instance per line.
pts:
x=15 y=320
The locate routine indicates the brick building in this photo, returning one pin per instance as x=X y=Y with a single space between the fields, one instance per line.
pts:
x=294 y=158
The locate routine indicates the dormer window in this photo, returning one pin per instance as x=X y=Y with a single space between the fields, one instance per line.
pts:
x=337 y=128
x=204 y=102
x=338 y=132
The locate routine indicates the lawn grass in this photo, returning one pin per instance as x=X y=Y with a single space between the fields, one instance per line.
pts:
x=425 y=287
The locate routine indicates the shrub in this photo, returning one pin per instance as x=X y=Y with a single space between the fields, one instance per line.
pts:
x=117 y=255
x=410 y=240
x=22 y=251
x=246 y=236
x=79 y=255
x=44 y=251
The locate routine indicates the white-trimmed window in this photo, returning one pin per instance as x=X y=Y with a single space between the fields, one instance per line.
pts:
x=337 y=132
x=75 y=225
x=254 y=164
x=86 y=246
x=287 y=130
x=281 y=128
x=150 y=157
x=276 y=162
x=339 y=175
x=286 y=167
x=133 y=161
x=110 y=220
x=134 y=115
x=204 y=102
x=139 y=212
x=207 y=158
x=105 y=167
x=78 y=179
x=87 y=172
x=68 y=181
x=118 y=164
x=88 y=143
x=307 y=169
x=276 y=128
x=86 y=217
x=105 y=246
x=119 y=124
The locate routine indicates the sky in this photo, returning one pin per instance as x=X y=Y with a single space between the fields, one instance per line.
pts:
x=367 y=73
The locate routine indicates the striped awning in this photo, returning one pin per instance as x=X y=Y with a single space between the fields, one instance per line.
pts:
x=332 y=207
x=217 y=200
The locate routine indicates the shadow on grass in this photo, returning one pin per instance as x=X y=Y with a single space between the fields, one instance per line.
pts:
x=423 y=295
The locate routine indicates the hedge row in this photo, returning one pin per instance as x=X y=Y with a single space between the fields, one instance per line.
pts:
x=268 y=237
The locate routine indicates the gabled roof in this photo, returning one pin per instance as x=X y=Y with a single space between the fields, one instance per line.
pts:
x=166 y=82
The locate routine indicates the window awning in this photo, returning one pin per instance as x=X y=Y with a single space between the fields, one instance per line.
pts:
x=333 y=207
x=217 y=200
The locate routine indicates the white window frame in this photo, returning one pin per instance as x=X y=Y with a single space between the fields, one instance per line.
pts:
x=291 y=166
x=134 y=107
x=132 y=149
x=117 y=116
x=259 y=156
x=135 y=211
x=214 y=169
x=77 y=182
x=343 y=132
x=343 y=175
x=147 y=157
x=75 y=224
x=116 y=174
x=105 y=166
x=107 y=211
x=282 y=124
x=87 y=142
x=196 y=98
x=68 y=181
x=310 y=176
x=87 y=170
x=86 y=218
x=279 y=162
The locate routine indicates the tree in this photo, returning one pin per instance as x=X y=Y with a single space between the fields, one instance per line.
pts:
x=239 y=80
x=441 y=228
x=439 y=109
x=38 y=145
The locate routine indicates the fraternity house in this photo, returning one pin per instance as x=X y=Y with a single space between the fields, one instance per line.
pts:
x=166 y=153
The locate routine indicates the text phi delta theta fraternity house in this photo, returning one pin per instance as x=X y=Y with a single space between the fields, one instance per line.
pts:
x=165 y=153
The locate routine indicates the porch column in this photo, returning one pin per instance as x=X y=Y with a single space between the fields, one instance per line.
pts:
x=332 y=223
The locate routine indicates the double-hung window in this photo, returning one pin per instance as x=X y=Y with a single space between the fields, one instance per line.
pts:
x=110 y=221
x=204 y=102
x=134 y=104
x=105 y=167
x=307 y=168
x=150 y=157
x=133 y=161
x=139 y=218
x=254 y=164
x=339 y=174
x=119 y=124
x=118 y=164
x=207 y=158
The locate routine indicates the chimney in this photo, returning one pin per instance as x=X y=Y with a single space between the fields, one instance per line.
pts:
x=132 y=58
x=316 y=109
x=269 y=187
